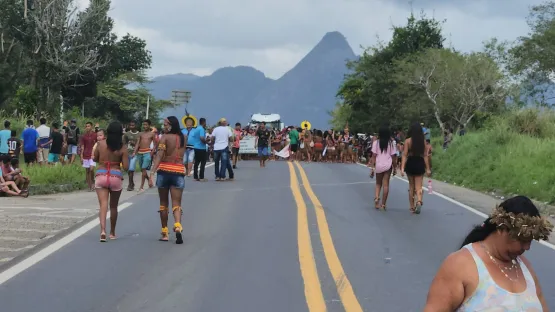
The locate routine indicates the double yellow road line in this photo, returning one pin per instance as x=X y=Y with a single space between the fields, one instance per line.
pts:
x=312 y=287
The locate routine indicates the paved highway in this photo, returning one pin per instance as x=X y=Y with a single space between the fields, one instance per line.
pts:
x=259 y=244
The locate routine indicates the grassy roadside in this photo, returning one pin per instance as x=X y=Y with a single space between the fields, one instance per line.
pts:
x=55 y=179
x=512 y=155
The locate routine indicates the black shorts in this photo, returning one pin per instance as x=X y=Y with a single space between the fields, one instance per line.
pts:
x=294 y=147
x=30 y=157
x=235 y=151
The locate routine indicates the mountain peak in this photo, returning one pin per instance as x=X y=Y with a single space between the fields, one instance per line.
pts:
x=333 y=40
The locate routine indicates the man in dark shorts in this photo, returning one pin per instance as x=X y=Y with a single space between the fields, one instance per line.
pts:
x=14 y=146
x=262 y=138
x=30 y=138
x=294 y=142
x=57 y=142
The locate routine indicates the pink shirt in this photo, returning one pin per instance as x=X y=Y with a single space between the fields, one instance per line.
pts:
x=238 y=134
x=383 y=160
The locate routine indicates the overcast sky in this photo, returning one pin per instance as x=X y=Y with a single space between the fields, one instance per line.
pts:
x=201 y=36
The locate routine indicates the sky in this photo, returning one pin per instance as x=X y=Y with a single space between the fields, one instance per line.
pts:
x=272 y=36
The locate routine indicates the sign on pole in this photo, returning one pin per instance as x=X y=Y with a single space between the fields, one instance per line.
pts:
x=180 y=97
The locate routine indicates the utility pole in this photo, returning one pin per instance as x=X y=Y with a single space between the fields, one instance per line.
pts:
x=147 y=105
x=61 y=110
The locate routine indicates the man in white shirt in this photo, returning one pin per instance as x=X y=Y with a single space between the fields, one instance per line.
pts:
x=221 y=137
x=44 y=139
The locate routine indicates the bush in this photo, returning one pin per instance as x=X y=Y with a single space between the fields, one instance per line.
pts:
x=513 y=155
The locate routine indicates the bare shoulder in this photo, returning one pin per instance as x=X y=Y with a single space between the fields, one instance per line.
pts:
x=528 y=265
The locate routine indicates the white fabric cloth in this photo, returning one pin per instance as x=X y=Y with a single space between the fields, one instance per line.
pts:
x=284 y=153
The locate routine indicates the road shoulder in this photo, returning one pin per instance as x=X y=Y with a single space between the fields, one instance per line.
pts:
x=481 y=201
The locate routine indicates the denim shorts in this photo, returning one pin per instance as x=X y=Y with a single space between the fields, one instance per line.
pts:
x=166 y=180
x=132 y=163
x=189 y=156
x=263 y=151
x=145 y=160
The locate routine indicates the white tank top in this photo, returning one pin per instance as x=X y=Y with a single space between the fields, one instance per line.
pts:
x=489 y=297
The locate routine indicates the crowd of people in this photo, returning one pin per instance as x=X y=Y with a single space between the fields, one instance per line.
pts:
x=489 y=270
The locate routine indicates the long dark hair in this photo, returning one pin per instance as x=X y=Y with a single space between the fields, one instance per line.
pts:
x=416 y=135
x=384 y=137
x=516 y=205
x=114 y=136
x=175 y=129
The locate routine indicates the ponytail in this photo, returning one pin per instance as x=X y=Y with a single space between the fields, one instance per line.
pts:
x=479 y=232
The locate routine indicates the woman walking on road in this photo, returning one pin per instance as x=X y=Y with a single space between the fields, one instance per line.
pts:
x=415 y=165
x=489 y=273
x=109 y=154
x=384 y=156
x=171 y=176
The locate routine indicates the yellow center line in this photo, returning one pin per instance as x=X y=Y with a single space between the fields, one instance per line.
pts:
x=312 y=289
x=344 y=288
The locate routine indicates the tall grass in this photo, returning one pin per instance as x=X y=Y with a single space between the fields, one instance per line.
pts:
x=57 y=174
x=514 y=154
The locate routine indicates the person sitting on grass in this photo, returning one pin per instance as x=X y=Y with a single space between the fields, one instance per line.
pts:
x=9 y=187
x=11 y=172
x=22 y=181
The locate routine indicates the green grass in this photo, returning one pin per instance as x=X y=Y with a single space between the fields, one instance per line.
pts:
x=54 y=179
x=514 y=154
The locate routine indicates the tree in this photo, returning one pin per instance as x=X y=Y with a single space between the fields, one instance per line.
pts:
x=117 y=101
x=533 y=58
x=52 y=48
x=340 y=115
x=456 y=85
x=371 y=90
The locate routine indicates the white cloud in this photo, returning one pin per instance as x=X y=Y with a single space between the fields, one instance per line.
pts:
x=272 y=36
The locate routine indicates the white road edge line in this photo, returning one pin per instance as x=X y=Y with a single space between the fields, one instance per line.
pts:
x=57 y=245
x=449 y=199
x=50 y=249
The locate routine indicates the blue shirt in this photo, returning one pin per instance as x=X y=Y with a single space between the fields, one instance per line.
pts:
x=427 y=134
x=30 y=137
x=189 y=134
x=199 y=133
x=5 y=135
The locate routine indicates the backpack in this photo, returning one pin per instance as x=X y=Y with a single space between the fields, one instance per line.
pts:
x=72 y=135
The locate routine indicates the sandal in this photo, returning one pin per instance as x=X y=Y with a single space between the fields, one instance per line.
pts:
x=177 y=228
x=113 y=237
x=102 y=237
x=165 y=236
x=418 y=207
x=384 y=207
x=376 y=203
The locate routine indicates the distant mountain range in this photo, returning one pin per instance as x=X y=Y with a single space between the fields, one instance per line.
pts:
x=306 y=92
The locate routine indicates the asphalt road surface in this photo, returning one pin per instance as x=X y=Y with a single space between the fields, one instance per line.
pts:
x=258 y=244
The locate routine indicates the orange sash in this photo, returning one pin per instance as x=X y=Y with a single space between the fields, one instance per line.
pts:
x=172 y=168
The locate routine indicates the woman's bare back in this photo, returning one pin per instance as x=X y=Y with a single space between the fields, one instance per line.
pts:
x=104 y=155
x=174 y=153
